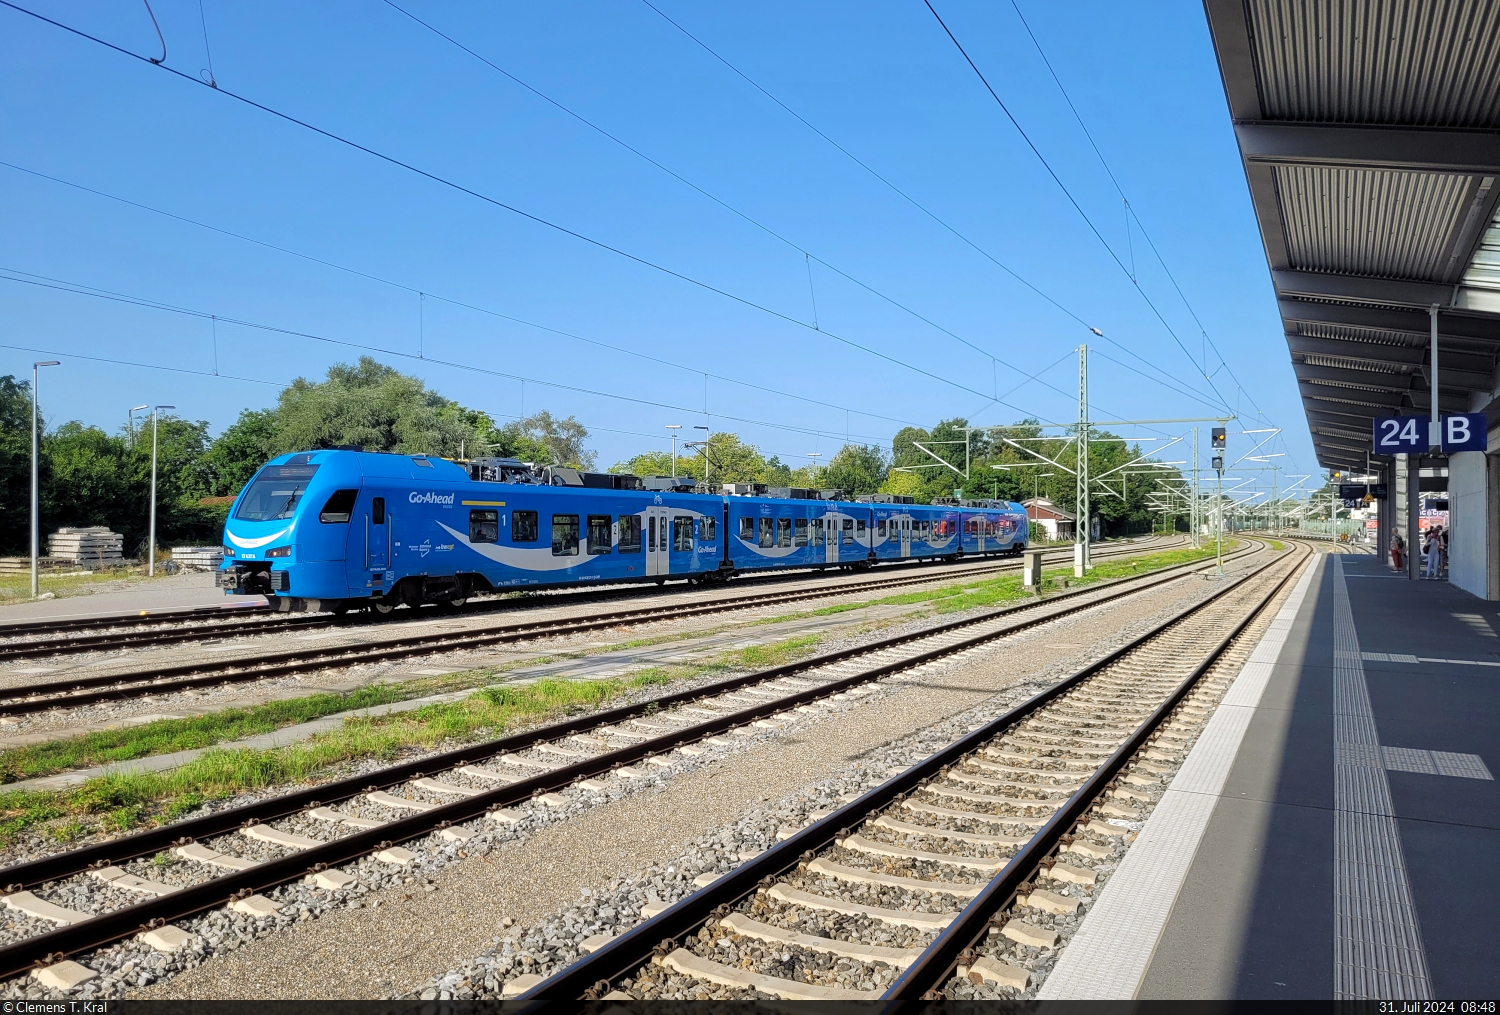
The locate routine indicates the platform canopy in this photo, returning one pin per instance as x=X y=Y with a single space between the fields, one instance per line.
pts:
x=1370 y=134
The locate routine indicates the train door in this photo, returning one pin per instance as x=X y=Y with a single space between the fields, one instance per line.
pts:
x=377 y=536
x=831 y=531
x=658 y=542
x=981 y=527
x=905 y=524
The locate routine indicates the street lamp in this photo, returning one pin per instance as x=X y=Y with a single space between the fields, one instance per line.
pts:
x=35 y=367
x=131 y=416
x=151 y=538
x=674 y=427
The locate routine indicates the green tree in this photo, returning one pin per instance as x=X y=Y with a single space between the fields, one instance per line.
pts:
x=239 y=452
x=374 y=407
x=15 y=465
x=856 y=469
x=546 y=440
x=98 y=478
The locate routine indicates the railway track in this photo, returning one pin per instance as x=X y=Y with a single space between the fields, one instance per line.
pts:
x=80 y=690
x=58 y=638
x=965 y=864
x=309 y=832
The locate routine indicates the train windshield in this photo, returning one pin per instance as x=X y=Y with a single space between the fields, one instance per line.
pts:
x=274 y=493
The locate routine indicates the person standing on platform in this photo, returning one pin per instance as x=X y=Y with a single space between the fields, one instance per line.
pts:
x=1398 y=549
x=1434 y=549
x=1443 y=551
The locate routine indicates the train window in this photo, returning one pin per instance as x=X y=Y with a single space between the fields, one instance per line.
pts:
x=783 y=532
x=709 y=530
x=484 y=526
x=747 y=529
x=630 y=533
x=768 y=532
x=274 y=492
x=799 y=538
x=651 y=534
x=880 y=527
x=600 y=531
x=377 y=511
x=848 y=532
x=339 y=507
x=523 y=527
x=423 y=462
x=818 y=535
x=682 y=533
x=564 y=535
x=861 y=524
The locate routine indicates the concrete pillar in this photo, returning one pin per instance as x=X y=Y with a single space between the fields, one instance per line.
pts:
x=1469 y=522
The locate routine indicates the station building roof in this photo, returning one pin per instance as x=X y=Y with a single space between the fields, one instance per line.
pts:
x=1370 y=134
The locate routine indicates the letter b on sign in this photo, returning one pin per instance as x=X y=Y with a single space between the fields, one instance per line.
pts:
x=1465 y=432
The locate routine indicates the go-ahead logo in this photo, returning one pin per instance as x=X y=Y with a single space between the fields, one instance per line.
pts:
x=430 y=498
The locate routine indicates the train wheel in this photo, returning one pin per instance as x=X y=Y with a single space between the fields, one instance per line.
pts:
x=382 y=607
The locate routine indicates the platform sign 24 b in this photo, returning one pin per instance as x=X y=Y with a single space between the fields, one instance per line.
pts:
x=1407 y=435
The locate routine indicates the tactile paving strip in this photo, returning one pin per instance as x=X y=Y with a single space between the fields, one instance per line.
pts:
x=1377 y=943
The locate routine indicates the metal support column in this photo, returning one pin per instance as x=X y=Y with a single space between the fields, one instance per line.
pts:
x=1081 y=562
x=1385 y=514
x=1195 y=513
x=1434 y=429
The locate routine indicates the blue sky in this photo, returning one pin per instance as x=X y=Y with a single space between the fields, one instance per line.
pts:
x=880 y=79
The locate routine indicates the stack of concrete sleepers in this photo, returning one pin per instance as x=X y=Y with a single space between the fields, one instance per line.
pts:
x=198 y=558
x=93 y=546
x=22 y=565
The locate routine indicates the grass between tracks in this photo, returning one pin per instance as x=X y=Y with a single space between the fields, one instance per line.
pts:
x=1007 y=588
x=120 y=802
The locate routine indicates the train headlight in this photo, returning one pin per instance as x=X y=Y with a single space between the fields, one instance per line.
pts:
x=228 y=551
x=280 y=551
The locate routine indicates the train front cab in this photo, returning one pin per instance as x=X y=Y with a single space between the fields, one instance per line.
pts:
x=275 y=544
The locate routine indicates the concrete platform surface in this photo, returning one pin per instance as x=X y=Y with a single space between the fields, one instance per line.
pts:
x=1355 y=849
x=175 y=592
x=1352 y=849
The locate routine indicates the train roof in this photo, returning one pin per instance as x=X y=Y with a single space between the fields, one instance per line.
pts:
x=388 y=465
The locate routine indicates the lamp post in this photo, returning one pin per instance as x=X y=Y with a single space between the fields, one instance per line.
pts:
x=674 y=427
x=151 y=538
x=131 y=416
x=35 y=522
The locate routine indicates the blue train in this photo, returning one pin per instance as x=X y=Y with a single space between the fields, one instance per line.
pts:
x=340 y=529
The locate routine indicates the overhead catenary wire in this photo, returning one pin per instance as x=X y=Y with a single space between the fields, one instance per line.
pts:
x=211 y=81
x=425 y=295
x=808 y=257
x=496 y=202
x=61 y=285
x=1129 y=208
x=1071 y=199
x=624 y=350
x=745 y=216
x=949 y=227
x=260 y=380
